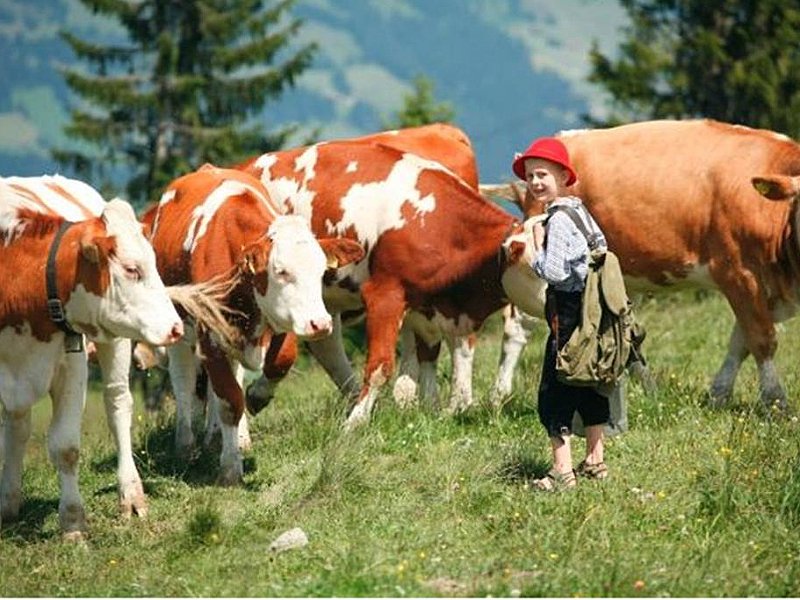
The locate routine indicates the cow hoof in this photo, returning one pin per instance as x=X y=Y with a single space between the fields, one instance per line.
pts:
x=777 y=408
x=258 y=395
x=10 y=507
x=184 y=450
x=499 y=396
x=405 y=392
x=358 y=417
x=73 y=537
x=72 y=519
x=135 y=504
x=230 y=478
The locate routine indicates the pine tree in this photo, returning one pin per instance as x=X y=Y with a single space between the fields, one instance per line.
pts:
x=733 y=60
x=183 y=90
x=420 y=107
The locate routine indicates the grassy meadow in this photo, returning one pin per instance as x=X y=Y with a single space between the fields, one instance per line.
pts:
x=700 y=502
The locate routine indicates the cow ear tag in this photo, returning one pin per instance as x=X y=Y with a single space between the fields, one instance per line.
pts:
x=332 y=262
x=248 y=265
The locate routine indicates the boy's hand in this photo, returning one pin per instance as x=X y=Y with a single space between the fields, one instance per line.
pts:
x=538 y=236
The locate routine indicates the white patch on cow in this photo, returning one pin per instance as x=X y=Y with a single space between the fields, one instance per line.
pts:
x=522 y=286
x=283 y=190
x=204 y=213
x=167 y=197
x=462 y=353
x=36 y=194
x=571 y=132
x=352 y=167
x=293 y=301
x=86 y=197
x=307 y=162
x=517 y=329
x=253 y=355
x=361 y=412
x=26 y=366
x=435 y=329
x=374 y=208
x=134 y=306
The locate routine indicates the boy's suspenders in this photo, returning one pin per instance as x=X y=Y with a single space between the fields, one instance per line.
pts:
x=593 y=238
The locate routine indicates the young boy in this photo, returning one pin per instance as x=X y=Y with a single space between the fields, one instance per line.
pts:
x=562 y=261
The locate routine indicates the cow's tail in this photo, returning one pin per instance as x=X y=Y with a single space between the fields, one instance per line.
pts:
x=509 y=191
x=206 y=304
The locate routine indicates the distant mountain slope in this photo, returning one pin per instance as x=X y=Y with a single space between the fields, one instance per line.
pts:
x=513 y=69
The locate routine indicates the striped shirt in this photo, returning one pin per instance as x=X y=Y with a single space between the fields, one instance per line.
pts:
x=564 y=261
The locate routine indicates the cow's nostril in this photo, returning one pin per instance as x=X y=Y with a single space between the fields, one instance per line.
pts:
x=321 y=326
x=177 y=332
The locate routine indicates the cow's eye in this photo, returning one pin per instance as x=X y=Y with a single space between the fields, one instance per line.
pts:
x=133 y=272
x=284 y=276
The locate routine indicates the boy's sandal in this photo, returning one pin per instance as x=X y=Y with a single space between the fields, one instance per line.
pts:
x=593 y=471
x=554 y=481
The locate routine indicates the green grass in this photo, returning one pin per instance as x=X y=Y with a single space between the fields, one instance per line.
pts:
x=700 y=502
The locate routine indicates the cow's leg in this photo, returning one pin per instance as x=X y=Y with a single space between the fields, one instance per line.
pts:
x=68 y=392
x=755 y=319
x=115 y=359
x=722 y=386
x=428 y=385
x=231 y=407
x=329 y=351
x=462 y=350
x=213 y=420
x=385 y=304
x=183 y=374
x=517 y=328
x=405 y=385
x=115 y=364
x=16 y=432
x=278 y=361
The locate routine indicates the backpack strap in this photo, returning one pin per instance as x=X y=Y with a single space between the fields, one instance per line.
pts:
x=592 y=239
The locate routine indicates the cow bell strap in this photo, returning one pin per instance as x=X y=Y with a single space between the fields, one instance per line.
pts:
x=73 y=342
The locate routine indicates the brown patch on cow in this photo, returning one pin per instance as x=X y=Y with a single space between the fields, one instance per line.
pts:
x=96 y=250
x=281 y=355
x=68 y=459
x=234 y=242
x=24 y=294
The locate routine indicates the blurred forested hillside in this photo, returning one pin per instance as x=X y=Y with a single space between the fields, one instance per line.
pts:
x=512 y=69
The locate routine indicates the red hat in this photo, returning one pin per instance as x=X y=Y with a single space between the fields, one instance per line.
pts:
x=548 y=148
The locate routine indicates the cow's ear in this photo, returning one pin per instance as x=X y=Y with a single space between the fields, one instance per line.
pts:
x=515 y=251
x=95 y=249
x=254 y=257
x=341 y=251
x=777 y=187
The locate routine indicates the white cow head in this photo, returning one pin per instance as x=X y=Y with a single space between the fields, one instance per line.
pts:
x=133 y=302
x=520 y=283
x=293 y=261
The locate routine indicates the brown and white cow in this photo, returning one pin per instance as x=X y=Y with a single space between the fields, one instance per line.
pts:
x=434 y=245
x=449 y=146
x=77 y=201
x=705 y=204
x=217 y=222
x=105 y=276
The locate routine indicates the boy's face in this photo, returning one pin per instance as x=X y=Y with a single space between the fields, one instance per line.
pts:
x=545 y=179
